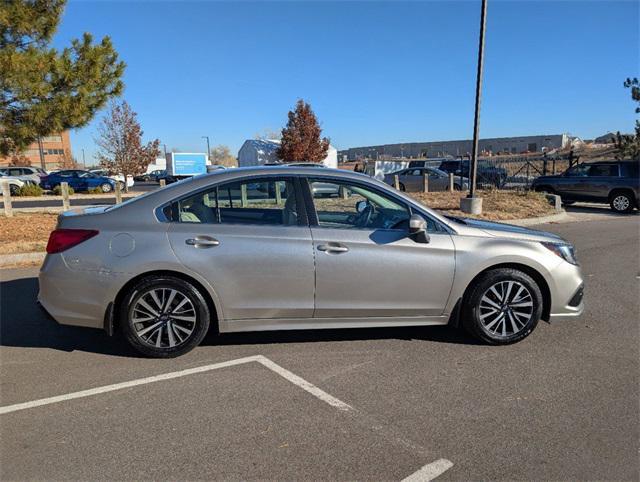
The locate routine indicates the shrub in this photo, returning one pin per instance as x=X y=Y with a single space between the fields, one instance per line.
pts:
x=30 y=190
x=58 y=190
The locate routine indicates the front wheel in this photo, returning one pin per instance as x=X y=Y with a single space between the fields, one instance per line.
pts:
x=503 y=306
x=122 y=185
x=621 y=203
x=106 y=187
x=164 y=317
x=14 y=190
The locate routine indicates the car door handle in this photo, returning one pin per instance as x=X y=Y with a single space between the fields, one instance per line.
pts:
x=333 y=248
x=202 y=242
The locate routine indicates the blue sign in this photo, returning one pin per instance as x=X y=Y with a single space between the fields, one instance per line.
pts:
x=189 y=164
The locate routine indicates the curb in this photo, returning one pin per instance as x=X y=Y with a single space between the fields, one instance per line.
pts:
x=19 y=258
x=541 y=220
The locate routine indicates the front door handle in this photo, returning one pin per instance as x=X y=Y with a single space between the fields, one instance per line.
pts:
x=202 y=242
x=333 y=248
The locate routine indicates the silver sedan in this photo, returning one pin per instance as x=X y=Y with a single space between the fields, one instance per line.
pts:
x=254 y=249
x=412 y=180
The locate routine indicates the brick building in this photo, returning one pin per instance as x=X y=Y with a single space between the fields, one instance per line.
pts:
x=54 y=148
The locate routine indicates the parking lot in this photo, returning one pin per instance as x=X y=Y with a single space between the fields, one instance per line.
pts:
x=367 y=404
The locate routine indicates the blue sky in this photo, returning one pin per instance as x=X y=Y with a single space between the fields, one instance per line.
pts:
x=374 y=72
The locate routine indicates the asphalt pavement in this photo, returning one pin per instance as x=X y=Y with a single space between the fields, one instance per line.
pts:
x=560 y=405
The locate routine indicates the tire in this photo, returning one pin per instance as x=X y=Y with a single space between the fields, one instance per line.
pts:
x=169 y=330
x=621 y=202
x=14 y=190
x=122 y=185
x=502 y=326
x=106 y=187
x=402 y=188
x=456 y=187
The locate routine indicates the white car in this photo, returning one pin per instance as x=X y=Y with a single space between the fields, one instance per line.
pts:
x=15 y=183
x=26 y=173
x=115 y=177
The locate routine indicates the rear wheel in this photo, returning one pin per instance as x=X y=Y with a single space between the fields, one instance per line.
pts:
x=402 y=188
x=106 y=187
x=621 y=202
x=13 y=189
x=164 y=317
x=502 y=307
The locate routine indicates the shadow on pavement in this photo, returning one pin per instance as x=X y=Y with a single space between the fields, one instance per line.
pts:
x=602 y=209
x=23 y=324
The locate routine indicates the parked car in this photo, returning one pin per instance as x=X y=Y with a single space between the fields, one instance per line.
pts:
x=614 y=182
x=15 y=183
x=205 y=252
x=31 y=173
x=487 y=174
x=412 y=179
x=116 y=177
x=79 y=180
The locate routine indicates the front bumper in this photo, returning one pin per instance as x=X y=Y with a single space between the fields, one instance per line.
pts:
x=567 y=292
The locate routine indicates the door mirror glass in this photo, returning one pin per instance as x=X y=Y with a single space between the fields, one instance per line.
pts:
x=418 y=229
x=361 y=206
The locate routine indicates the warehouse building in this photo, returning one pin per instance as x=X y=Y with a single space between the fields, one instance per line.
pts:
x=498 y=145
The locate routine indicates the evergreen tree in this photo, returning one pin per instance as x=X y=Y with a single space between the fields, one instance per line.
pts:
x=628 y=145
x=301 y=140
x=42 y=90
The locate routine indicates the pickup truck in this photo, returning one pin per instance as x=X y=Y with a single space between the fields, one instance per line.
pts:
x=611 y=182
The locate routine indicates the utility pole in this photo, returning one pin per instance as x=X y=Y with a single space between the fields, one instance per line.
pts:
x=41 y=149
x=208 y=147
x=472 y=204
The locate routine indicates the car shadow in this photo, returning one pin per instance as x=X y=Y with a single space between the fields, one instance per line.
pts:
x=23 y=324
x=602 y=209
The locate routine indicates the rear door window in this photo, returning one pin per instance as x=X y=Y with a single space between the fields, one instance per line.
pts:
x=259 y=202
x=603 y=170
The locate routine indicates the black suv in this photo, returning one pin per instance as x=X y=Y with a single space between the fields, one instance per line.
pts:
x=613 y=182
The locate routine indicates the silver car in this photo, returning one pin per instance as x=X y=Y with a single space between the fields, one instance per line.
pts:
x=253 y=249
x=412 y=180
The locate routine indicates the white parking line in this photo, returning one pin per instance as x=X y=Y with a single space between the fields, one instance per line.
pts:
x=264 y=361
x=430 y=471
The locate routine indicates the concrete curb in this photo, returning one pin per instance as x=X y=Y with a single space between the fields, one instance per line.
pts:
x=541 y=220
x=19 y=258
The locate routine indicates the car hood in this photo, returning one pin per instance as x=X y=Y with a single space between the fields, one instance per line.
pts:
x=479 y=227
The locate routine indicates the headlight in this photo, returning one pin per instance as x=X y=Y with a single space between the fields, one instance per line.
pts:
x=565 y=251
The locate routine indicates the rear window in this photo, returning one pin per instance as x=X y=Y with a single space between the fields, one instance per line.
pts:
x=630 y=169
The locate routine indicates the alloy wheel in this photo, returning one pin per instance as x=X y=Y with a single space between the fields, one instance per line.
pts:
x=506 y=308
x=163 y=318
x=621 y=203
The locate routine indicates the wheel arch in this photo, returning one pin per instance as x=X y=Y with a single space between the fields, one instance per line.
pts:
x=532 y=272
x=111 y=317
x=622 y=190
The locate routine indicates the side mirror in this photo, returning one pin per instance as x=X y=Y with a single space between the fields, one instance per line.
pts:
x=418 y=229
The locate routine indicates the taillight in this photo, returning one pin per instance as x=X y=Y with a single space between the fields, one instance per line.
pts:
x=63 y=239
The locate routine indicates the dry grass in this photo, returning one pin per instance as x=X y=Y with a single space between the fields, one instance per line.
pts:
x=25 y=233
x=496 y=205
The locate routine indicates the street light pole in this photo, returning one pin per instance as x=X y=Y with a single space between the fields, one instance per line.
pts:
x=208 y=147
x=476 y=119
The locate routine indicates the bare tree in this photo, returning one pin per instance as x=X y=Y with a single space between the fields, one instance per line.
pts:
x=120 y=143
x=268 y=134
x=222 y=156
x=67 y=161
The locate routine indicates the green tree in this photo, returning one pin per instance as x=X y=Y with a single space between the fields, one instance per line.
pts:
x=120 y=148
x=43 y=90
x=628 y=145
x=222 y=156
x=301 y=140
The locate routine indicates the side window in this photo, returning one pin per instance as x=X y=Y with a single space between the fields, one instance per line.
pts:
x=262 y=202
x=578 y=171
x=350 y=206
x=15 y=172
x=606 y=170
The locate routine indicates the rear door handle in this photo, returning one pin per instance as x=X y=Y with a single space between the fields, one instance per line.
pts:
x=333 y=248
x=202 y=242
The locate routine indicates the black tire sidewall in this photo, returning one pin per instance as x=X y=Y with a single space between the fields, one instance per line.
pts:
x=471 y=305
x=203 y=315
